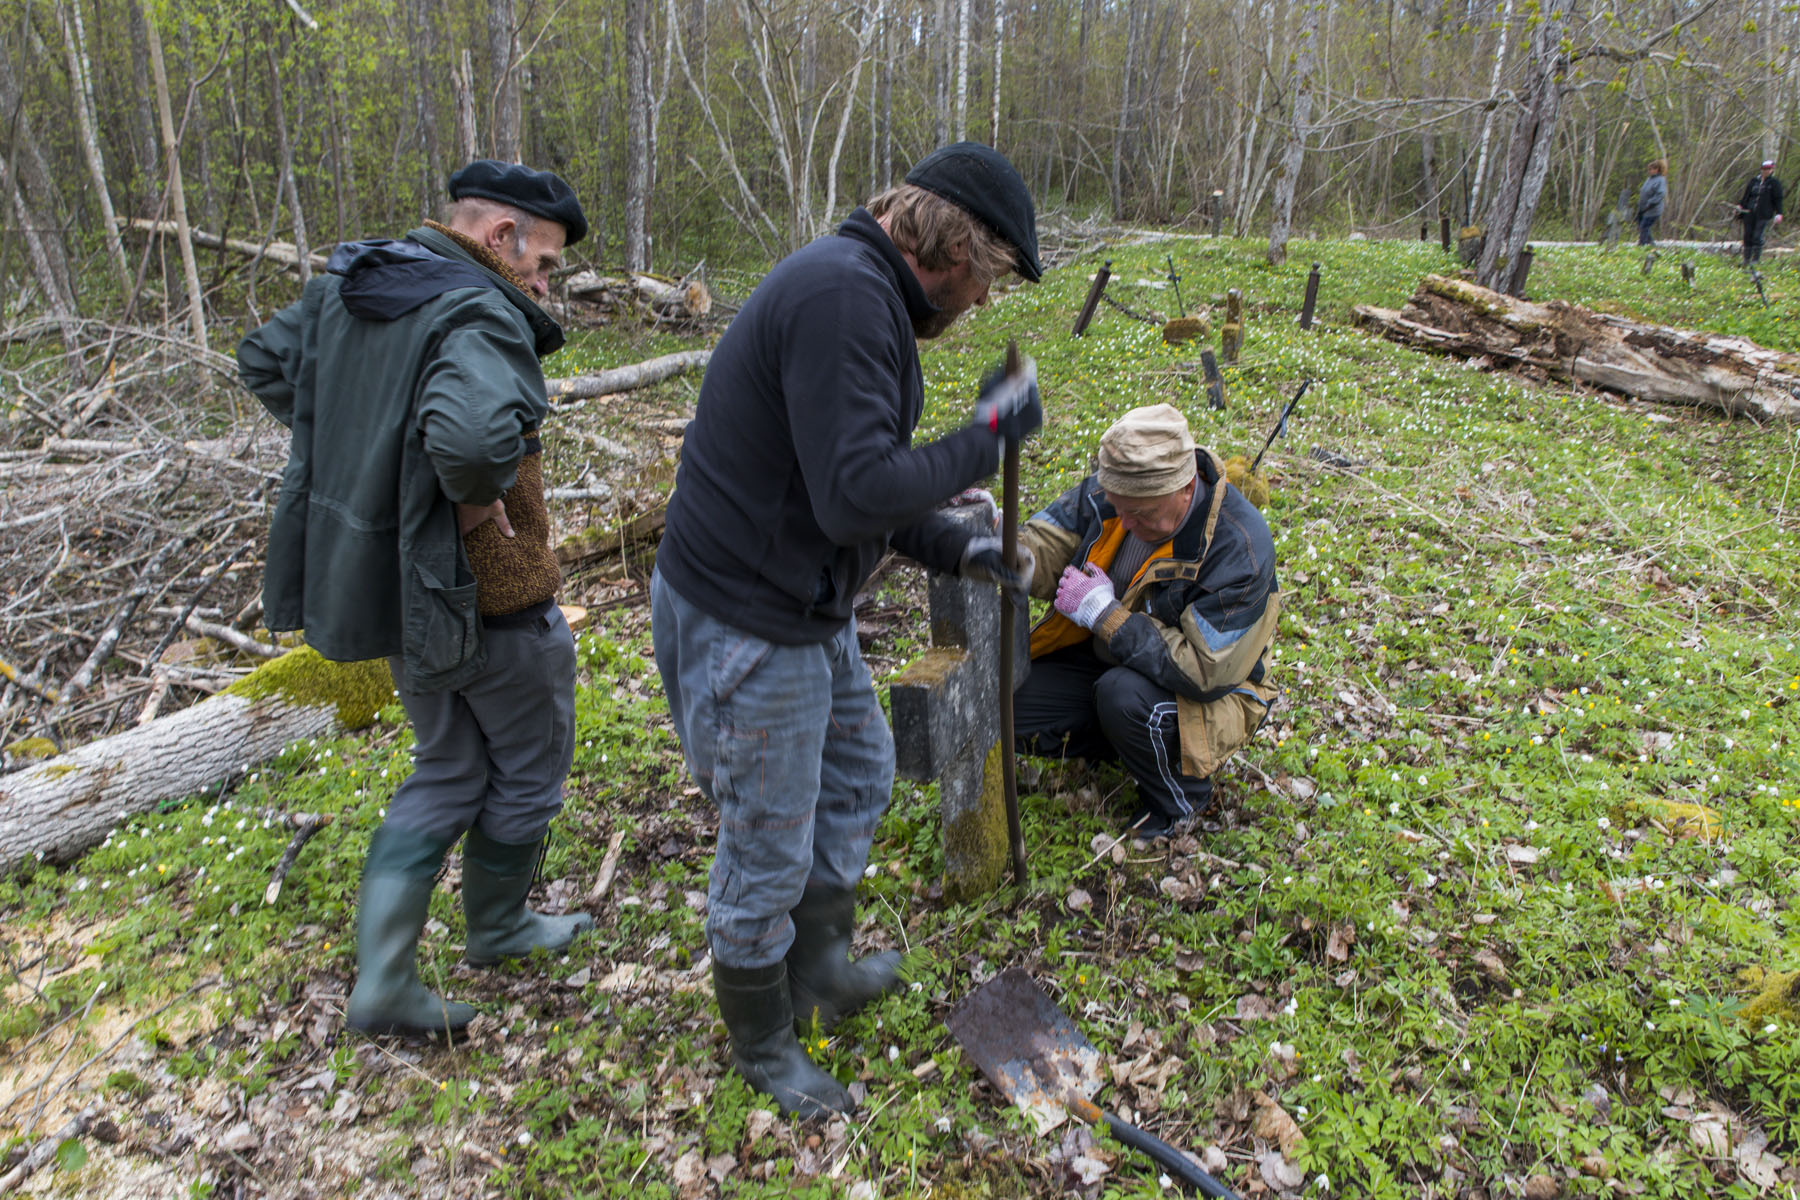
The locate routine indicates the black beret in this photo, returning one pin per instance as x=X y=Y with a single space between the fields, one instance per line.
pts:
x=540 y=193
x=979 y=179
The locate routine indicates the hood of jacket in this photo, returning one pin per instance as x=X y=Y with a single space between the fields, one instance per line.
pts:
x=384 y=279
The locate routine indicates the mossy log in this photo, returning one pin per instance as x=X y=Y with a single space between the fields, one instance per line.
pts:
x=627 y=378
x=1568 y=342
x=61 y=807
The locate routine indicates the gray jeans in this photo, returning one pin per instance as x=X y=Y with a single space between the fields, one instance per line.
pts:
x=792 y=746
x=494 y=752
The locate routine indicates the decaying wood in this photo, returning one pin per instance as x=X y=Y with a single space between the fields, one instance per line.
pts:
x=625 y=379
x=609 y=866
x=305 y=825
x=1572 y=343
x=63 y=806
x=282 y=253
x=592 y=545
x=45 y=1150
x=681 y=300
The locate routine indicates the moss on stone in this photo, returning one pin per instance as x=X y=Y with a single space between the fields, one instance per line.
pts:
x=32 y=749
x=356 y=690
x=976 y=848
x=1777 y=996
x=1254 y=486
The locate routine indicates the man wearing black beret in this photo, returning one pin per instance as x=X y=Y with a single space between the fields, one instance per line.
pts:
x=411 y=526
x=797 y=474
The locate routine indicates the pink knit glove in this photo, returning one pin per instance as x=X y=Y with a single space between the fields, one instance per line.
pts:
x=1084 y=595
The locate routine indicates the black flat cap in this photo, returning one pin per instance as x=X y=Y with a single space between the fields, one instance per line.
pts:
x=980 y=179
x=540 y=193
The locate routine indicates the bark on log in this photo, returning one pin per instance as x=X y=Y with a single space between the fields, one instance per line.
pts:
x=624 y=379
x=282 y=253
x=61 y=807
x=1572 y=343
x=684 y=300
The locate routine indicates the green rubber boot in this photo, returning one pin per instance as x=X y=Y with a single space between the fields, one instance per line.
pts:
x=496 y=877
x=827 y=985
x=397 y=880
x=759 y=1014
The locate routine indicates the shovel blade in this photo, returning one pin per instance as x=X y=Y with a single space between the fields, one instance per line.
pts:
x=1026 y=1047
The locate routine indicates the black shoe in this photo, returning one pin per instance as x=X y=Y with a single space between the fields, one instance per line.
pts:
x=1149 y=823
x=759 y=1014
x=827 y=984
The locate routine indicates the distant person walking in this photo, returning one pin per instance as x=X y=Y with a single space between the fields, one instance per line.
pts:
x=1759 y=208
x=1651 y=197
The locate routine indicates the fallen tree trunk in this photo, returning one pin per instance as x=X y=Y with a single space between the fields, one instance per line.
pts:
x=63 y=806
x=683 y=300
x=1572 y=343
x=624 y=379
x=283 y=253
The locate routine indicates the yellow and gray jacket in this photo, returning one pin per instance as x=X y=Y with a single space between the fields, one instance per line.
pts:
x=1198 y=618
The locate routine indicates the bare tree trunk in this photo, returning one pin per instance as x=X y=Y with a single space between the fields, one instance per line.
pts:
x=285 y=148
x=1287 y=177
x=637 y=136
x=143 y=114
x=962 y=69
x=1127 y=78
x=505 y=106
x=463 y=79
x=999 y=42
x=423 y=40
x=1528 y=153
x=886 y=176
x=177 y=198
x=1428 y=204
x=33 y=177
x=1487 y=117
x=81 y=83
x=940 y=72
x=61 y=307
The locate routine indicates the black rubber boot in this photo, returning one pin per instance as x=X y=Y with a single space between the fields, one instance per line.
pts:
x=827 y=985
x=397 y=880
x=759 y=1015
x=495 y=879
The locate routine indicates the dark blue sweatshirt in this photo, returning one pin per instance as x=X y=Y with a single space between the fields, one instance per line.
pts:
x=798 y=469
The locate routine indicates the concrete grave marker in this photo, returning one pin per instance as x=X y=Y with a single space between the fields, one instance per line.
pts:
x=946 y=710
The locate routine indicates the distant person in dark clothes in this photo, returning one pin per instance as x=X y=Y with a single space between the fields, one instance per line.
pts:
x=1651 y=198
x=1759 y=208
x=797 y=475
x=411 y=526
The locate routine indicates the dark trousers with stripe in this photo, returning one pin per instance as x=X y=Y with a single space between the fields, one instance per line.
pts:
x=1075 y=705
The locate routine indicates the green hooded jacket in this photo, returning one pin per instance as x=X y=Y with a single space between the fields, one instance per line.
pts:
x=409 y=375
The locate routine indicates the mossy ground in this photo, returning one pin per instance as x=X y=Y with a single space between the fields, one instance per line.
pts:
x=1438 y=919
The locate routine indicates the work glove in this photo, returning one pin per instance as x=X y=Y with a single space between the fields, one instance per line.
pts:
x=1009 y=405
x=978 y=498
x=984 y=561
x=1083 y=595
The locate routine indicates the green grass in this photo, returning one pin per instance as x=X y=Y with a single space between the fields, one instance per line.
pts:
x=1444 y=922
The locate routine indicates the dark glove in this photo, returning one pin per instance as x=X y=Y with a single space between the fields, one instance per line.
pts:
x=1009 y=404
x=983 y=560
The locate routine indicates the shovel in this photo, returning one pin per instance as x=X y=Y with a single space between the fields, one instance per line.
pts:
x=1038 y=1059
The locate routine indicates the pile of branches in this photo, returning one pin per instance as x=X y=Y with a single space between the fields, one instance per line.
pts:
x=135 y=481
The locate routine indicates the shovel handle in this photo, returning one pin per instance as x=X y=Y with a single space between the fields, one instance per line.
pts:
x=1177 y=1164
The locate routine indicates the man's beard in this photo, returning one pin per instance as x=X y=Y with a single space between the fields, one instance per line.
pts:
x=934 y=324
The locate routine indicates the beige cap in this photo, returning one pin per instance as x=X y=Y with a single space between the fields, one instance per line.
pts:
x=1147 y=452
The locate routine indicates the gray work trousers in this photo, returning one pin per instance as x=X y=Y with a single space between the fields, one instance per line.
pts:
x=791 y=744
x=494 y=752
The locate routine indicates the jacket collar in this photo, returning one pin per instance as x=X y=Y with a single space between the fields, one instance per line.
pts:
x=863 y=227
x=546 y=333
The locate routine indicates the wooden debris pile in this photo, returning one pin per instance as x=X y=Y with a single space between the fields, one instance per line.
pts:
x=1564 y=341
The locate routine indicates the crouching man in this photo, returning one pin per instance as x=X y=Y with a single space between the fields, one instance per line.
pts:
x=411 y=526
x=1156 y=655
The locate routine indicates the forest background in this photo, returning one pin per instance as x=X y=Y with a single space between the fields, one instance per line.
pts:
x=732 y=131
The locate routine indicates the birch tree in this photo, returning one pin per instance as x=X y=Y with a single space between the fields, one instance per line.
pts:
x=1287 y=176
